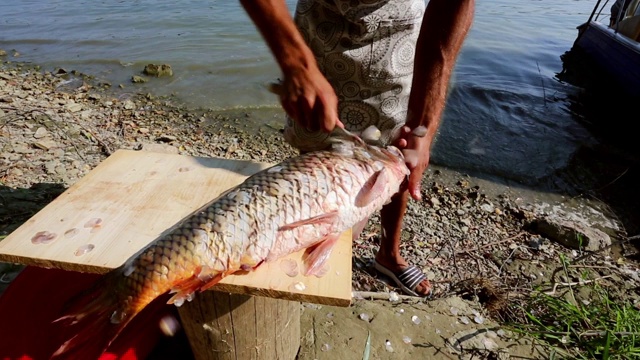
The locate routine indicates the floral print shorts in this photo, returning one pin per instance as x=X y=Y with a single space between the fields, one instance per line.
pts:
x=366 y=50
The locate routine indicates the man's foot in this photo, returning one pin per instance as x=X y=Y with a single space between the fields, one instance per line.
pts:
x=409 y=278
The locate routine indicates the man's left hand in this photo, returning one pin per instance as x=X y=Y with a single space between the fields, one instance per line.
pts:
x=416 y=151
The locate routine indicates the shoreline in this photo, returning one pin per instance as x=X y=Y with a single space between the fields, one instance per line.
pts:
x=56 y=127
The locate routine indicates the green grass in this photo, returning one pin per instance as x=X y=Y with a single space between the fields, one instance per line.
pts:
x=600 y=328
x=603 y=329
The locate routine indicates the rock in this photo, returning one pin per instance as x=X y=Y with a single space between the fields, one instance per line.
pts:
x=16 y=172
x=22 y=149
x=129 y=105
x=571 y=234
x=138 y=79
x=46 y=144
x=159 y=148
x=158 y=70
x=50 y=166
x=86 y=114
x=3 y=53
x=73 y=107
x=166 y=138
x=40 y=133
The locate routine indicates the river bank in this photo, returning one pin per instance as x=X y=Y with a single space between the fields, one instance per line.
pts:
x=484 y=245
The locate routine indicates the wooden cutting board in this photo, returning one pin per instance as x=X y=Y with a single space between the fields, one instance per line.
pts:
x=131 y=198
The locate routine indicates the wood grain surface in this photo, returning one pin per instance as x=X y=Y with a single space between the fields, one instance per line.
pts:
x=131 y=198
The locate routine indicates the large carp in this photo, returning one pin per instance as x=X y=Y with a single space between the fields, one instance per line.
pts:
x=304 y=202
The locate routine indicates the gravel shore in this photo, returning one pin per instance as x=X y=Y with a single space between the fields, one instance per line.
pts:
x=486 y=244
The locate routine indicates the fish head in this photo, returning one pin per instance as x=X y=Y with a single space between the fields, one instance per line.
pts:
x=395 y=161
x=389 y=157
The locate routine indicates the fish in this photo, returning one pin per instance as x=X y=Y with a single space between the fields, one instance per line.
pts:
x=304 y=202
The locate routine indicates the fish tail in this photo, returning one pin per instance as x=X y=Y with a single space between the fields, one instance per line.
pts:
x=92 y=320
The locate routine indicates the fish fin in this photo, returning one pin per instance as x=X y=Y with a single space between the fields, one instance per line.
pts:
x=184 y=290
x=329 y=217
x=202 y=279
x=87 y=324
x=317 y=255
x=216 y=279
x=372 y=189
x=357 y=228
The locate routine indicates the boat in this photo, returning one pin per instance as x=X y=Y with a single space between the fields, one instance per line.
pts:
x=606 y=52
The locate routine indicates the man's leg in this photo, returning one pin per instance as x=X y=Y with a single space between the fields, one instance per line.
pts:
x=388 y=255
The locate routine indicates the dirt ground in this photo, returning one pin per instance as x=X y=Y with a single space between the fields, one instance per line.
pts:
x=472 y=236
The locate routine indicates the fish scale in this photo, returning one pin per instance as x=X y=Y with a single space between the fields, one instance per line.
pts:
x=302 y=202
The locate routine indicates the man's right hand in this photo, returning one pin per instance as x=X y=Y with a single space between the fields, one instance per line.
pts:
x=306 y=95
x=310 y=100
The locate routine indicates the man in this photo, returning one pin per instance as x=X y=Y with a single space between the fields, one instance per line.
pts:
x=350 y=63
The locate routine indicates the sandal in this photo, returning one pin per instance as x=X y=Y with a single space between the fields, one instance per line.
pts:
x=408 y=279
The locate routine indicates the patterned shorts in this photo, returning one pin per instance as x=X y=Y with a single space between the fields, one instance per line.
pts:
x=366 y=50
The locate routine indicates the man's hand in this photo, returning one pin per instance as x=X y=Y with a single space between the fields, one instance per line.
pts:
x=306 y=95
x=416 y=149
x=310 y=100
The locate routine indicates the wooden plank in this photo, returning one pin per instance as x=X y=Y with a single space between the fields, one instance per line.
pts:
x=137 y=196
x=241 y=327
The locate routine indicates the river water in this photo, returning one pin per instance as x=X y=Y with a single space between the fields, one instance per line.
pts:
x=507 y=115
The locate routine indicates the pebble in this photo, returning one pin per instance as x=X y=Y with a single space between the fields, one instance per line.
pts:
x=22 y=149
x=40 y=133
x=73 y=107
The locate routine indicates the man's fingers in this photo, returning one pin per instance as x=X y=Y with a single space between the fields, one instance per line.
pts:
x=307 y=114
x=323 y=118
x=414 y=185
x=292 y=111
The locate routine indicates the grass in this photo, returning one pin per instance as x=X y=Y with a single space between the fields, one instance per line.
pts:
x=600 y=328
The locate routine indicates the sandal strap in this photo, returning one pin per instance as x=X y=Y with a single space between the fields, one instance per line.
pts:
x=411 y=277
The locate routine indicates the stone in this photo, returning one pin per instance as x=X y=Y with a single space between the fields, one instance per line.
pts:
x=166 y=138
x=40 y=133
x=129 y=105
x=86 y=114
x=46 y=144
x=22 y=149
x=138 y=79
x=571 y=234
x=158 y=70
x=73 y=107
x=159 y=148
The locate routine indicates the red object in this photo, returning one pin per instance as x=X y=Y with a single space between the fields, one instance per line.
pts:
x=35 y=298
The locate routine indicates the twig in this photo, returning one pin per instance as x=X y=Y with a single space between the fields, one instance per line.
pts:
x=382 y=296
x=544 y=92
x=603 y=333
x=584 y=282
x=455 y=262
x=505 y=260
x=102 y=144
x=614 y=180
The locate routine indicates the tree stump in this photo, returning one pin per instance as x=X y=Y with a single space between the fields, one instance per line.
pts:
x=224 y=326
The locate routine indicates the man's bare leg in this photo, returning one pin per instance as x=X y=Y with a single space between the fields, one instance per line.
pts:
x=391 y=218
